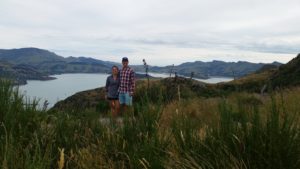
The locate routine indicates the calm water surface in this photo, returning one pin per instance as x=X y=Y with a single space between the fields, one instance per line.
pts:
x=64 y=86
x=68 y=84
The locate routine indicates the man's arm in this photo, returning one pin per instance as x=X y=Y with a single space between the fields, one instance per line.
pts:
x=132 y=81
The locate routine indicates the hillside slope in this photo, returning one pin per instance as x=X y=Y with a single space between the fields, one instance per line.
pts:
x=19 y=74
x=288 y=74
x=37 y=64
x=50 y=63
x=267 y=78
x=29 y=56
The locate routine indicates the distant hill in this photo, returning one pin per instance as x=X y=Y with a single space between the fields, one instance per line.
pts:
x=205 y=70
x=269 y=77
x=37 y=64
x=21 y=73
x=29 y=56
x=76 y=65
x=48 y=63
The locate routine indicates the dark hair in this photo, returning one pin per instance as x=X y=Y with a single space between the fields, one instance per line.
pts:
x=114 y=66
x=124 y=59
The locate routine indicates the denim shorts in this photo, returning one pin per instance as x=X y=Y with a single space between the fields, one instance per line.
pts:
x=125 y=98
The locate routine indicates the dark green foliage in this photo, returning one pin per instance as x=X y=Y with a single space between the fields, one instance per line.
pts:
x=288 y=74
x=103 y=106
x=141 y=135
x=268 y=67
x=252 y=87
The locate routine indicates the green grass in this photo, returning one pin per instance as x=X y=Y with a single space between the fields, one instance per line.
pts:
x=246 y=132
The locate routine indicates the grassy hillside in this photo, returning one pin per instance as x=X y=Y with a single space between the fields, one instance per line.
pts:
x=268 y=78
x=288 y=74
x=175 y=123
x=241 y=130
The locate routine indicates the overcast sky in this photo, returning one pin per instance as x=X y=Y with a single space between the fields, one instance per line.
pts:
x=161 y=31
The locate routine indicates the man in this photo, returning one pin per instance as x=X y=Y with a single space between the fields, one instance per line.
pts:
x=127 y=85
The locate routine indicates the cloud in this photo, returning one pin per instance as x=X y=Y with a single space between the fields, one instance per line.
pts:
x=165 y=30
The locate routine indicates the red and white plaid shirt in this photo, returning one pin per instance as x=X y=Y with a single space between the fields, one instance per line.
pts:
x=127 y=81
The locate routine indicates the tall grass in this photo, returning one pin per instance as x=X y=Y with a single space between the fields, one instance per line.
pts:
x=241 y=131
x=243 y=138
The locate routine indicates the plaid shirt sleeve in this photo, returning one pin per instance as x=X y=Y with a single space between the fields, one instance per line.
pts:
x=132 y=80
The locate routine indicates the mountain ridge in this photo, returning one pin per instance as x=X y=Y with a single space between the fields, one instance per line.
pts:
x=49 y=63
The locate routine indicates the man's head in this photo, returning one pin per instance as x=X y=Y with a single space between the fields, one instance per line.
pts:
x=125 y=61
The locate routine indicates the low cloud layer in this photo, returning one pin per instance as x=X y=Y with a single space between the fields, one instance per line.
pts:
x=162 y=31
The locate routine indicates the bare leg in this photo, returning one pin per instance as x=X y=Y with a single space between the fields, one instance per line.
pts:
x=117 y=107
x=112 y=107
